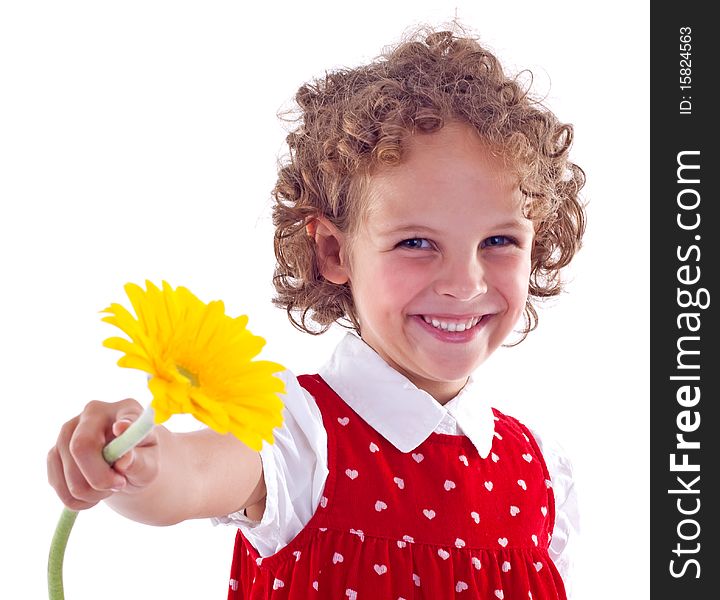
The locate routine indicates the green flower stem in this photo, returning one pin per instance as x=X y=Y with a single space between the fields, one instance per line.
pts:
x=125 y=442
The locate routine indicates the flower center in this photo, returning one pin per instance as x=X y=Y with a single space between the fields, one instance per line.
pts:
x=192 y=377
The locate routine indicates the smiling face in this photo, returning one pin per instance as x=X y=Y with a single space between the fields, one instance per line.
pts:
x=440 y=263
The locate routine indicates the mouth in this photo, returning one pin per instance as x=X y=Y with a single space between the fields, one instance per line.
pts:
x=452 y=325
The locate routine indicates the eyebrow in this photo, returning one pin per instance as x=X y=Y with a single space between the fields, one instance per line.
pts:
x=513 y=224
x=387 y=230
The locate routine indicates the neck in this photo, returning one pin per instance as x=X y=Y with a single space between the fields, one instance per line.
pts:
x=442 y=391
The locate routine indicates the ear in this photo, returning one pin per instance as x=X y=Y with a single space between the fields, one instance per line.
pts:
x=330 y=249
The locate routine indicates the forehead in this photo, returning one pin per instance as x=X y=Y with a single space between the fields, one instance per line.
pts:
x=451 y=168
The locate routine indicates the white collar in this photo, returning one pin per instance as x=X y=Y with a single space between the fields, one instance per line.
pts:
x=401 y=412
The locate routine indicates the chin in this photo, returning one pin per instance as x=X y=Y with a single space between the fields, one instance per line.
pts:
x=451 y=373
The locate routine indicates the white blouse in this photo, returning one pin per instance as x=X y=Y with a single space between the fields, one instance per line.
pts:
x=295 y=467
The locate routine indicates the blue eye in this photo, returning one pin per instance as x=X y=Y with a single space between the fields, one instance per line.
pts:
x=497 y=240
x=415 y=244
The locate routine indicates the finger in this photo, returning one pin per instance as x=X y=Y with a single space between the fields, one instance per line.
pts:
x=121 y=426
x=140 y=465
x=125 y=462
x=138 y=472
x=128 y=410
x=56 y=478
x=81 y=449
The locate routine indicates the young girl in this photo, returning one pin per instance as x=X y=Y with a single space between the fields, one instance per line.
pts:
x=426 y=201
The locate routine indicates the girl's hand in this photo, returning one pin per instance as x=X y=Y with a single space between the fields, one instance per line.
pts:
x=76 y=467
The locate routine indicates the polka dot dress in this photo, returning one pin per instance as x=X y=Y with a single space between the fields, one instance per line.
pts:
x=438 y=522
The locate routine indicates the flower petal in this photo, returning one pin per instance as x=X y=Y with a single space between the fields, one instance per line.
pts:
x=200 y=361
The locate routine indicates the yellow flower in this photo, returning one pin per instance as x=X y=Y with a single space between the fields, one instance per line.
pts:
x=199 y=360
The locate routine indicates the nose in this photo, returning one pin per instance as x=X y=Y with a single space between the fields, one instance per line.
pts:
x=462 y=277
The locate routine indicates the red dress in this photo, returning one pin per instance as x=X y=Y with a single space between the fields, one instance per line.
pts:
x=435 y=523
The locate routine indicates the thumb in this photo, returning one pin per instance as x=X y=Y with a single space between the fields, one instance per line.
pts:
x=122 y=464
x=140 y=464
x=120 y=426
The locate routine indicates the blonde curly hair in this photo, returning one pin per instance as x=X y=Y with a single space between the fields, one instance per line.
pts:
x=354 y=121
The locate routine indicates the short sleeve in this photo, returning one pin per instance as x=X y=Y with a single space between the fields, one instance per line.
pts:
x=563 y=546
x=295 y=469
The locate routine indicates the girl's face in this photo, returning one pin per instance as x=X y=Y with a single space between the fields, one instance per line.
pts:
x=440 y=264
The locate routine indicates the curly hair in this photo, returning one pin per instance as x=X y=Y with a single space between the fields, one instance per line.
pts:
x=354 y=121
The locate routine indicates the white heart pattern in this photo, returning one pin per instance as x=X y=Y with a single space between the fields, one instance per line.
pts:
x=374 y=447
x=359 y=533
x=475 y=516
x=409 y=539
x=449 y=485
x=538 y=565
x=315 y=585
x=489 y=486
x=494 y=457
x=401 y=544
x=297 y=554
x=533 y=537
x=343 y=420
x=416 y=579
x=476 y=562
x=514 y=510
x=543 y=510
x=338 y=558
x=429 y=513
x=459 y=543
x=351 y=473
x=499 y=594
x=417 y=457
x=277 y=584
x=522 y=484
x=461 y=586
x=323 y=502
x=380 y=505
x=503 y=541
x=352 y=594
x=399 y=482
x=380 y=569
x=505 y=566
x=464 y=460
x=527 y=457
x=444 y=554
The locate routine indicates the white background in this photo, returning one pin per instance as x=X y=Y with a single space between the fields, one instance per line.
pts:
x=139 y=140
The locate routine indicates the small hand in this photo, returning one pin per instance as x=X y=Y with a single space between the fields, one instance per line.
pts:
x=76 y=467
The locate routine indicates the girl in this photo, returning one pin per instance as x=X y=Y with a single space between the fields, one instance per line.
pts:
x=426 y=201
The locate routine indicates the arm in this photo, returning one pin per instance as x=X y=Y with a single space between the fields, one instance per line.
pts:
x=167 y=478
x=201 y=474
x=295 y=470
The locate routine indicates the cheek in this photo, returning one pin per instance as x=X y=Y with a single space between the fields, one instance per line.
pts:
x=388 y=283
x=513 y=277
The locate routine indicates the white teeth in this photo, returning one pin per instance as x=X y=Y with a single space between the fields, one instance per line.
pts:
x=452 y=326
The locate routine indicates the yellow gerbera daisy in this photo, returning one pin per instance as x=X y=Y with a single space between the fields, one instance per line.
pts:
x=199 y=360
